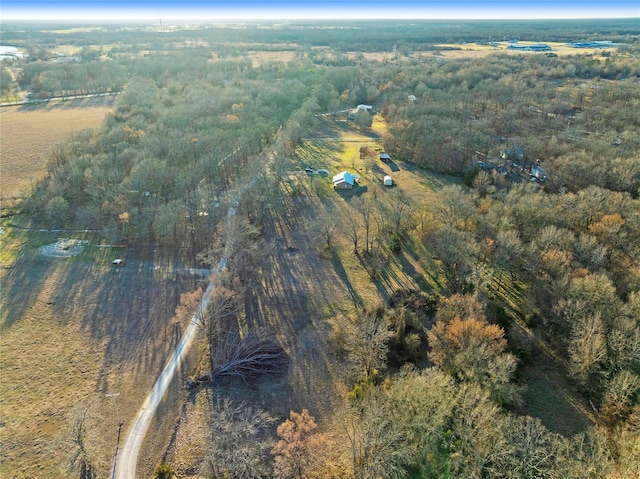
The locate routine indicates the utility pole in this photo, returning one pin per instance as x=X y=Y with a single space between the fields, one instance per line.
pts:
x=115 y=409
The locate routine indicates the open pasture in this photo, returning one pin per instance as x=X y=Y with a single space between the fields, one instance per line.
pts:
x=81 y=342
x=28 y=134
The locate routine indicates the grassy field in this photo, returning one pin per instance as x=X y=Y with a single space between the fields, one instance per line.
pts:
x=475 y=50
x=28 y=135
x=78 y=335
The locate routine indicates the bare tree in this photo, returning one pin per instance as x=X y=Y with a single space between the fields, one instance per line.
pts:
x=400 y=208
x=366 y=206
x=327 y=224
x=367 y=343
x=587 y=347
x=351 y=226
x=457 y=207
x=240 y=441
x=377 y=443
x=533 y=451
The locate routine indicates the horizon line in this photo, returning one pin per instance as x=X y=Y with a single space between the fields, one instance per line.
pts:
x=270 y=19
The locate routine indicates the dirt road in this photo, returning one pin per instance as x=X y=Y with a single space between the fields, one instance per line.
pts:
x=124 y=466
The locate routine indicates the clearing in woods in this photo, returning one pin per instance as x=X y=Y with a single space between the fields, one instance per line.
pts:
x=304 y=293
x=28 y=134
x=79 y=334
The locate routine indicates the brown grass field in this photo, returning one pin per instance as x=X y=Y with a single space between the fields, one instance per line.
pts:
x=474 y=50
x=29 y=133
x=76 y=335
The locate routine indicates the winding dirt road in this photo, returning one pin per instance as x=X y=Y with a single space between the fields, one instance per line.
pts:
x=125 y=462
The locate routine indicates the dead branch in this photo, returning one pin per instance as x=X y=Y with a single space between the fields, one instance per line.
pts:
x=249 y=357
x=254 y=355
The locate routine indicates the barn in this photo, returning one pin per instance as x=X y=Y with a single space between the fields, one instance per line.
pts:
x=345 y=180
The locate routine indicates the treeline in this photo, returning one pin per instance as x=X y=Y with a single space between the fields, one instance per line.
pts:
x=186 y=129
x=46 y=80
x=346 y=35
x=182 y=131
x=554 y=107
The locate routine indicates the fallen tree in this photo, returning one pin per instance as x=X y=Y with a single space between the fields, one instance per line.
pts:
x=246 y=357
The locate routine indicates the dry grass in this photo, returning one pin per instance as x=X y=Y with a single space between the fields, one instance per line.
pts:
x=28 y=135
x=474 y=50
x=73 y=331
x=259 y=58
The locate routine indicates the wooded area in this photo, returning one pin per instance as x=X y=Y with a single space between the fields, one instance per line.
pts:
x=526 y=266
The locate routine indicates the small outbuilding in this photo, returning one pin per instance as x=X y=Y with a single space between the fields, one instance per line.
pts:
x=385 y=157
x=539 y=173
x=388 y=181
x=345 y=180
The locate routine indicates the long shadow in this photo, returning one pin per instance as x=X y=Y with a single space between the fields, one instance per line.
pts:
x=23 y=282
x=128 y=309
x=393 y=166
x=342 y=274
x=410 y=248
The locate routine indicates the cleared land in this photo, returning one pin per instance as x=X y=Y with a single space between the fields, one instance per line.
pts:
x=305 y=293
x=475 y=50
x=79 y=335
x=29 y=134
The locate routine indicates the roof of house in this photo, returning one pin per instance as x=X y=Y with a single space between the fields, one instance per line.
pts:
x=385 y=156
x=345 y=177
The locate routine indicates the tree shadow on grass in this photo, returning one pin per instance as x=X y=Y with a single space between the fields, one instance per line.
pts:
x=23 y=283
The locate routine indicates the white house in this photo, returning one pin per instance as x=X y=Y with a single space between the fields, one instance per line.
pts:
x=345 y=180
x=365 y=107
x=388 y=181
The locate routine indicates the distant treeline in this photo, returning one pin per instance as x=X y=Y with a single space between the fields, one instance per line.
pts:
x=347 y=35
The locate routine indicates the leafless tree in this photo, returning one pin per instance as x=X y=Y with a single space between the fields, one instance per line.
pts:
x=367 y=343
x=240 y=442
x=377 y=443
x=351 y=226
x=80 y=460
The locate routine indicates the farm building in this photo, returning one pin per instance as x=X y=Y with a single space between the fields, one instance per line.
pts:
x=539 y=173
x=388 y=181
x=365 y=107
x=540 y=47
x=601 y=44
x=512 y=153
x=345 y=180
x=385 y=157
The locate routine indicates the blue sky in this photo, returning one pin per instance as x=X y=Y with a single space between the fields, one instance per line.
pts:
x=151 y=10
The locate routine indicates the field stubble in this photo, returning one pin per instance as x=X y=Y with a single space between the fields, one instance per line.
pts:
x=29 y=134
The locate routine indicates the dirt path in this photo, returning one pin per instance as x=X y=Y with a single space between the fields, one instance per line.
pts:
x=126 y=460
